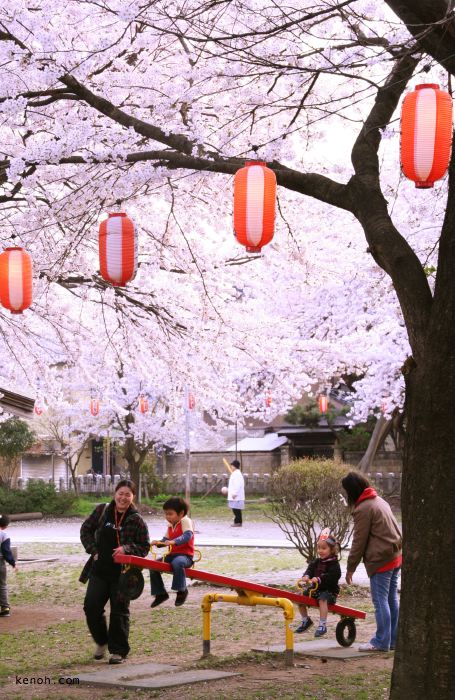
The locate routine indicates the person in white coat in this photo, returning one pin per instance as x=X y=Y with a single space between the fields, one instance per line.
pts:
x=236 y=492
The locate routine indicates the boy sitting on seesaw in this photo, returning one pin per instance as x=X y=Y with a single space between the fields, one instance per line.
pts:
x=324 y=571
x=180 y=540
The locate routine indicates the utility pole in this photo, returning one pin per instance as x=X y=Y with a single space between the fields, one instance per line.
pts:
x=187 y=445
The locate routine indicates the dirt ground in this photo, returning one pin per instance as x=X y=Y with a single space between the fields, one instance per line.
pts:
x=260 y=675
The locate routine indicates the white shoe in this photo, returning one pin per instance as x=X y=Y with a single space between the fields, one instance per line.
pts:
x=100 y=651
x=369 y=647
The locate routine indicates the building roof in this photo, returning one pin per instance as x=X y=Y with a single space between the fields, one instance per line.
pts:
x=267 y=443
x=17 y=404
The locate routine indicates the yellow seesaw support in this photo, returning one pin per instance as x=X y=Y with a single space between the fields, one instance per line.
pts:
x=248 y=598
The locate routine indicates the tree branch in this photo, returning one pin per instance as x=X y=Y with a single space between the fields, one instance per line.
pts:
x=432 y=23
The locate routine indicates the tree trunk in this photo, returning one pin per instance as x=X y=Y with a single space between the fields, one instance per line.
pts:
x=425 y=657
x=381 y=429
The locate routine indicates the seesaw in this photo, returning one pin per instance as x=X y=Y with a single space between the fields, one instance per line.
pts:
x=247 y=593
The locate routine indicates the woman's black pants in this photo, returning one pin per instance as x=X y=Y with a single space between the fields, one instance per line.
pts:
x=99 y=591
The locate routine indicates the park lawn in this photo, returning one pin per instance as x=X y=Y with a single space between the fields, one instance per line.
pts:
x=213 y=507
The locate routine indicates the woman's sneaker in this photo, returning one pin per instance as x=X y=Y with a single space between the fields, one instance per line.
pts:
x=304 y=625
x=5 y=611
x=116 y=659
x=320 y=631
x=100 y=651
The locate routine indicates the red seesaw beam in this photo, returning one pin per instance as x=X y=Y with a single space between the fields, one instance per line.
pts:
x=235 y=583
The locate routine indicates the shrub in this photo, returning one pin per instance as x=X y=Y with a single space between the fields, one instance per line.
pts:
x=36 y=497
x=152 y=485
x=306 y=496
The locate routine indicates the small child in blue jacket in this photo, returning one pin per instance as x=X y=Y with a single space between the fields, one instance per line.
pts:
x=6 y=555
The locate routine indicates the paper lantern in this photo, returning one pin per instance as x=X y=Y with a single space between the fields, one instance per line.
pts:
x=254 y=205
x=426 y=134
x=94 y=407
x=38 y=408
x=323 y=404
x=15 y=279
x=268 y=400
x=191 y=401
x=143 y=404
x=118 y=249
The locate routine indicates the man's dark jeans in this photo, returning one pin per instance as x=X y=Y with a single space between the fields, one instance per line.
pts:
x=99 y=591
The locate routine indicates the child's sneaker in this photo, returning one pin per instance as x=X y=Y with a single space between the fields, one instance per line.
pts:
x=5 y=611
x=159 y=598
x=181 y=597
x=320 y=631
x=304 y=625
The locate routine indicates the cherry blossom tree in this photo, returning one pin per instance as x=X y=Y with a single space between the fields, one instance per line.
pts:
x=158 y=104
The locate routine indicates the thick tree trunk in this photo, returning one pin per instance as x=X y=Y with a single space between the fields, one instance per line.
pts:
x=425 y=658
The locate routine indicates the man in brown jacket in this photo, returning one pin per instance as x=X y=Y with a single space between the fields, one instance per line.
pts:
x=376 y=540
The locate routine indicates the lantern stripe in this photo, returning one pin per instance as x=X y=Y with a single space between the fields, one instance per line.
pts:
x=114 y=248
x=15 y=280
x=254 y=204
x=426 y=134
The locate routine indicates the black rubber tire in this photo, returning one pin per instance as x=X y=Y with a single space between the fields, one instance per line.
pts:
x=347 y=624
x=131 y=583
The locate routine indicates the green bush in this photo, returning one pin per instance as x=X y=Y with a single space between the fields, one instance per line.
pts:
x=305 y=497
x=36 y=497
x=152 y=485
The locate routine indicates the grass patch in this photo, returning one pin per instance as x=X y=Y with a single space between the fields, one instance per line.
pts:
x=213 y=507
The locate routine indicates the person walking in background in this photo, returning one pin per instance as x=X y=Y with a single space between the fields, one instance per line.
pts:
x=179 y=538
x=376 y=540
x=6 y=555
x=236 y=492
x=323 y=572
x=114 y=528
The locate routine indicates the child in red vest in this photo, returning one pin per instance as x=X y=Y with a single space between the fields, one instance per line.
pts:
x=180 y=538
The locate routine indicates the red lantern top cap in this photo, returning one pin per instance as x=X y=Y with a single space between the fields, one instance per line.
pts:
x=117 y=213
x=14 y=247
x=426 y=86
x=255 y=162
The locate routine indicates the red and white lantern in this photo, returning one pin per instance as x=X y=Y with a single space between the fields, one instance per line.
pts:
x=191 y=401
x=323 y=402
x=94 y=407
x=143 y=404
x=268 y=400
x=118 y=249
x=426 y=134
x=15 y=279
x=254 y=205
x=38 y=408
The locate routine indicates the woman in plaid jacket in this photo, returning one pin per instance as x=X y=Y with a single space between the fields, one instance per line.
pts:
x=115 y=528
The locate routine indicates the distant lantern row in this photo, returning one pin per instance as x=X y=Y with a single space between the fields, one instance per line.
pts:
x=94 y=405
x=426 y=138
